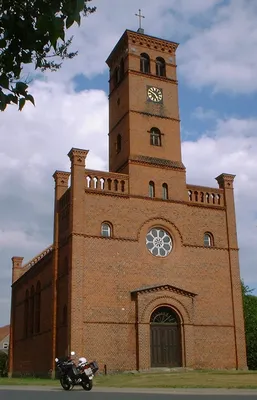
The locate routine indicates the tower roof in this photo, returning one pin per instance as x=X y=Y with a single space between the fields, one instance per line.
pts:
x=142 y=39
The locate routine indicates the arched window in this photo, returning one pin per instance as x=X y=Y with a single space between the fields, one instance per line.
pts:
x=164 y=315
x=151 y=189
x=155 y=137
x=165 y=191
x=109 y=184
x=160 y=67
x=144 y=63
x=32 y=311
x=122 y=186
x=118 y=144
x=116 y=185
x=37 y=308
x=26 y=314
x=208 y=240
x=106 y=229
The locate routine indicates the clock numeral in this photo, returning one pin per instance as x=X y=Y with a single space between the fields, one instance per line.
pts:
x=154 y=94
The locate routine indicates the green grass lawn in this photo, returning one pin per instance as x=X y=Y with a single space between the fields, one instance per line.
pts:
x=190 y=379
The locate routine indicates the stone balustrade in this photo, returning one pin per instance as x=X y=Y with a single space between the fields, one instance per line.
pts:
x=108 y=182
x=205 y=195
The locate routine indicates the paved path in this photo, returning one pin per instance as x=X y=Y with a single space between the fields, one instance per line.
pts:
x=56 y=393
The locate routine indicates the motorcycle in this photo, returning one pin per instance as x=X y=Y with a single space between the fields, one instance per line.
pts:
x=76 y=375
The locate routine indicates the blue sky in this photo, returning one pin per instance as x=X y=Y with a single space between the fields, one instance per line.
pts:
x=216 y=60
x=223 y=104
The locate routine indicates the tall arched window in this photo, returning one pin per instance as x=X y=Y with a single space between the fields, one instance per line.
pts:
x=106 y=229
x=32 y=311
x=165 y=191
x=26 y=314
x=160 y=67
x=118 y=144
x=144 y=63
x=208 y=240
x=151 y=189
x=155 y=137
x=38 y=308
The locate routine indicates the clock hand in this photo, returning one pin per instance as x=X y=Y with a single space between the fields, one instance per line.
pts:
x=154 y=94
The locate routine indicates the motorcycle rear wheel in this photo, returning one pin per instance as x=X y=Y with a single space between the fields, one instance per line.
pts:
x=65 y=383
x=87 y=384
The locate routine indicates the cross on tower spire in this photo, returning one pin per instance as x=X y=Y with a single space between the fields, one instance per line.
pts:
x=140 y=16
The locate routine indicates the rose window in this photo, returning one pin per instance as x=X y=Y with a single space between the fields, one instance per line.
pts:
x=159 y=242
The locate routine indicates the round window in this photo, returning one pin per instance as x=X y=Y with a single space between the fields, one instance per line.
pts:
x=158 y=242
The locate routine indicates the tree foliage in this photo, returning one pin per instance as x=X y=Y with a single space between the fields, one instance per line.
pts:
x=34 y=32
x=3 y=364
x=250 y=317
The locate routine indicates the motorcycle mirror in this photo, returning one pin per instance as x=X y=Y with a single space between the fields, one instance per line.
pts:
x=72 y=353
x=57 y=359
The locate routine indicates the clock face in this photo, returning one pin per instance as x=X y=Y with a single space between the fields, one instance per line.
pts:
x=154 y=94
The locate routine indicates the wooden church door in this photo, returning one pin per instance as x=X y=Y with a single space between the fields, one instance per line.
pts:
x=165 y=338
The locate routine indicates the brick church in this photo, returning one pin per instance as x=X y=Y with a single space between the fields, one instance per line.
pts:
x=143 y=271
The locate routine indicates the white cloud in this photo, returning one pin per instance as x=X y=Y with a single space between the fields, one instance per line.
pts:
x=98 y=32
x=223 y=54
x=231 y=147
x=11 y=239
x=217 y=40
x=34 y=143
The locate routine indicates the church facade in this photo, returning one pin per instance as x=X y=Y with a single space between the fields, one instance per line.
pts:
x=143 y=271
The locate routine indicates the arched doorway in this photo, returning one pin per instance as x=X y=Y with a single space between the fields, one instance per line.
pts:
x=165 y=338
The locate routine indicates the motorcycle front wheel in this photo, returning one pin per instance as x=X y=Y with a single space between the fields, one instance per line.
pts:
x=65 y=383
x=87 y=384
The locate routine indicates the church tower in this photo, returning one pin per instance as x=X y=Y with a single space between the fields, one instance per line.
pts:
x=144 y=111
x=144 y=125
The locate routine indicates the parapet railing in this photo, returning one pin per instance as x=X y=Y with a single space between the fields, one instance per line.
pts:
x=108 y=182
x=205 y=195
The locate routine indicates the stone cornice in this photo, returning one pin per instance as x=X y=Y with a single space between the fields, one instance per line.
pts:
x=152 y=76
x=29 y=267
x=196 y=246
x=154 y=161
x=146 y=198
x=142 y=113
x=61 y=177
x=159 y=288
x=77 y=156
x=152 y=42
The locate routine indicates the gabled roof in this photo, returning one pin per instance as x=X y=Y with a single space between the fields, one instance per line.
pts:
x=4 y=331
x=157 y=288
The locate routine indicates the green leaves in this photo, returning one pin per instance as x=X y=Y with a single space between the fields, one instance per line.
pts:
x=250 y=318
x=33 y=32
x=21 y=88
x=18 y=95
